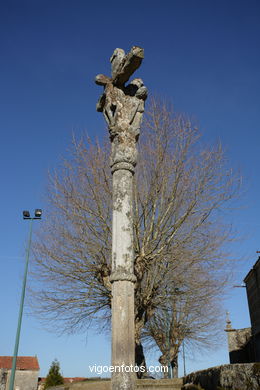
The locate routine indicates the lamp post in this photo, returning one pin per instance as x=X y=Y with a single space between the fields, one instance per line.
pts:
x=184 y=359
x=168 y=341
x=26 y=215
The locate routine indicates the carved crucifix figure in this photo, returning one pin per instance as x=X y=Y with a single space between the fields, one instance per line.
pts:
x=123 y=108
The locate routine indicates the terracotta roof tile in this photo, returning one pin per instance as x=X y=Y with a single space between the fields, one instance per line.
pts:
x=75 y=379
x=67 y=380
x=22 y=363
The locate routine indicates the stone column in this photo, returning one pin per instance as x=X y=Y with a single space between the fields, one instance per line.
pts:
x=123 y=108
x=122 y=278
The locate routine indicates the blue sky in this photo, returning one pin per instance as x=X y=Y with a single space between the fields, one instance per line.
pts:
x=201 y=55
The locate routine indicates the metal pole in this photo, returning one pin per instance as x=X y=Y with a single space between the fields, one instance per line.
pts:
x=169 y=367
x=184 y=360
x=169 y=346
x=12 y=377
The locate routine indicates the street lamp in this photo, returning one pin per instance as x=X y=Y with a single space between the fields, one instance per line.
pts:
x=168 y=340
x=184 y=358
x=171 y=371
x=26 y=215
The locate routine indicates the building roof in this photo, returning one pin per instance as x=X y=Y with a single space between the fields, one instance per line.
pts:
x=255 y=266
x=75 y=379
x=66 y=380
x=22 y=363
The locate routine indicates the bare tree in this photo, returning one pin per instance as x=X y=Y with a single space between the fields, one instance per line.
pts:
x=191 y=313
x=181 y=188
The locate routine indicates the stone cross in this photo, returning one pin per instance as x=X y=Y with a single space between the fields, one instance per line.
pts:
x=123 y=108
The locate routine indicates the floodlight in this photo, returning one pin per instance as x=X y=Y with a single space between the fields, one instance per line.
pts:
x=26 y=214
x=38 y=213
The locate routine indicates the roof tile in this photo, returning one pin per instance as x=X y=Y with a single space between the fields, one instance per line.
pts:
x=22 y=363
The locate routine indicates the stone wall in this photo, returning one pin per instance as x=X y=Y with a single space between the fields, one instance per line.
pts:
x=24 y=379
x=240 y=346
x=256 y=346
x=237 y=338
x=141 y=384
x=85 y=385
x=3 y=378
x=252 y=281
x=227 y=377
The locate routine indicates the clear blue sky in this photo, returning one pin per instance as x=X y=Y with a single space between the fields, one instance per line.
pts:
x=202 y=55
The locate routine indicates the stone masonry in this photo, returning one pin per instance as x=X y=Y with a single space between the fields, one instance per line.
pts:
x=123 y=107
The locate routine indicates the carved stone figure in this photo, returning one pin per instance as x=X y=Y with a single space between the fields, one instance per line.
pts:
x=123 y=106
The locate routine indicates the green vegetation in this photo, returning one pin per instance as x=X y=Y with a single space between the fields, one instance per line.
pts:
x=54 y=376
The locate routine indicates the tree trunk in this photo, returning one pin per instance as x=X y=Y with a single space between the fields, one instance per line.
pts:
x=140 y=359
x=174 y=364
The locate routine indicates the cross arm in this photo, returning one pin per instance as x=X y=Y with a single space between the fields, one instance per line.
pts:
x=129 y=64
x=102 y=80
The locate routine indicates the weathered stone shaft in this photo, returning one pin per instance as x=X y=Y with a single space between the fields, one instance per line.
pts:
x=123 y=340
x=122 y=277
x=122 y=225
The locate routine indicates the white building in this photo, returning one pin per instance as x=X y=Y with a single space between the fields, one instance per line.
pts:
x=26 y=374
